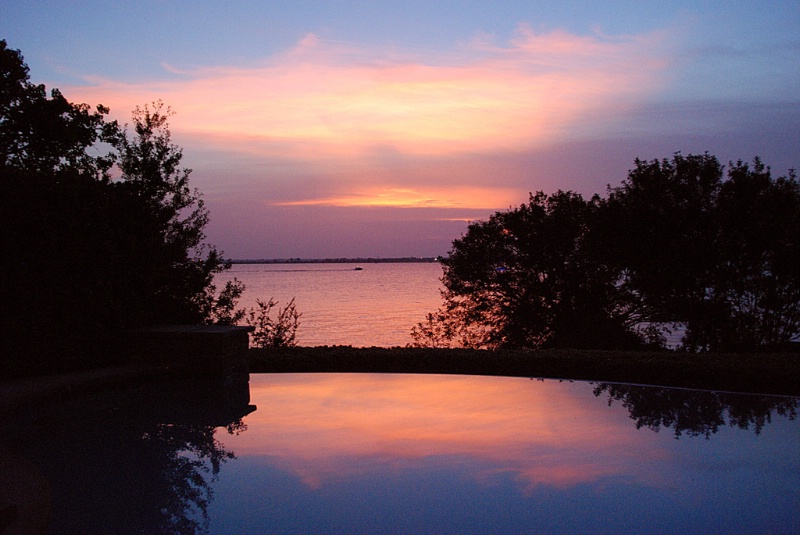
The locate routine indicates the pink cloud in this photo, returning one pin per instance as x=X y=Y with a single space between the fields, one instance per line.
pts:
x=453 y=197
x=327 y=107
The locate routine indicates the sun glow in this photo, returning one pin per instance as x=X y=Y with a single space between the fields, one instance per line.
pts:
x=415 y=198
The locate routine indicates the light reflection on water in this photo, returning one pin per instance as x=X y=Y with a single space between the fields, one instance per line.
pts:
x=426 y=453
x=402 y=418
x=378 y=453
x=376 y=306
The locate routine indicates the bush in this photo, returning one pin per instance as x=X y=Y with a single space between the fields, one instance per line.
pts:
x=278 y=332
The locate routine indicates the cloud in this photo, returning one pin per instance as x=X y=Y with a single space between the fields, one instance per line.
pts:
x=326 y=106
x=475 y=198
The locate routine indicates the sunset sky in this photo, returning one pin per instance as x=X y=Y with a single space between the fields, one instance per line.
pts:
x=378 y=128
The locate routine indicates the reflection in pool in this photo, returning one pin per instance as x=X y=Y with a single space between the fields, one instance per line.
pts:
x=417 y=453
x=368 y=453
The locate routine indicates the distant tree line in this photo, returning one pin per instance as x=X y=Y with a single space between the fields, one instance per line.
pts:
x=680 y=246
x=346 y=260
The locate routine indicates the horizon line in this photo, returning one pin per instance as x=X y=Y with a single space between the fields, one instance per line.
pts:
x=338 y=260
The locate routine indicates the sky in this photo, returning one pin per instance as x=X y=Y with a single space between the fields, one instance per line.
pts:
x=376 y=128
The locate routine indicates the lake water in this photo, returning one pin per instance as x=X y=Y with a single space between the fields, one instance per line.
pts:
x=387 y=453
x=376 y=306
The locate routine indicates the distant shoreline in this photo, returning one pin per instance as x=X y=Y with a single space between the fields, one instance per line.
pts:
x=368 y=260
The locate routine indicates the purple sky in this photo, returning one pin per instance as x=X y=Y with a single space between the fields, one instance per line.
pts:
x=328 y=129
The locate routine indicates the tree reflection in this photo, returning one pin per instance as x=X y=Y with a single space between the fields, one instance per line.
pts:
x=184 y=461
x=141 y=462
x=696 y=412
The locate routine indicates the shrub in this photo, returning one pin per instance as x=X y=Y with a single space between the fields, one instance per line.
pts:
x=278 y=332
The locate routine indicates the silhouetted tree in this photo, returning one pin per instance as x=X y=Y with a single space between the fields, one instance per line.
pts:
x=526 y=278
x=179 y=267
x=721 y=256
x=99 y=228
x=758 y=279
x=46 y=136
x=678 y=244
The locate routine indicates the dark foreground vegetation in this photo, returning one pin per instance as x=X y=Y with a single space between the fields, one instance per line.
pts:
x=99 y=228
x=773 y=373
x=684 y=247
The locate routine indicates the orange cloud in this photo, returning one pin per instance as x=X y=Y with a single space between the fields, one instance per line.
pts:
x=343 y=99
x=475 y=198
x=324 y=427
x=327 y=105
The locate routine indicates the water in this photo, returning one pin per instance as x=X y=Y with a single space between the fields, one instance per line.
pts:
x=456 y=454
x=376 y=306
x=387 y=453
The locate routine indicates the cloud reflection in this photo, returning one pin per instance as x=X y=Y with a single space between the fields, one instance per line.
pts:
x=325 y=428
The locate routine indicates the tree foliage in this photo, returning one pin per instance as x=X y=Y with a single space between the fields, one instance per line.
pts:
x=716 y=253
x=179 y=267
x=41 y=135
x=527 y=278
x=100 y=229
x=678 y=243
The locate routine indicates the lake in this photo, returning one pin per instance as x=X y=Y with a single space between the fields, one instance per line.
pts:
x=390 y=453
x=376 y=306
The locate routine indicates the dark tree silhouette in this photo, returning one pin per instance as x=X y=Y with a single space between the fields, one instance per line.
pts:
x=178 y=268
x=721 y=256
x=526 y=278
x=46 y=136
x=759 y=243
x=677 y=244
x=99 y=229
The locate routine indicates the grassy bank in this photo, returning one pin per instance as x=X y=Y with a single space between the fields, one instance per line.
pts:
x=758 y=373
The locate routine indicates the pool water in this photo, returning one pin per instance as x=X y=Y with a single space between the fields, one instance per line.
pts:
x=392 y=453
